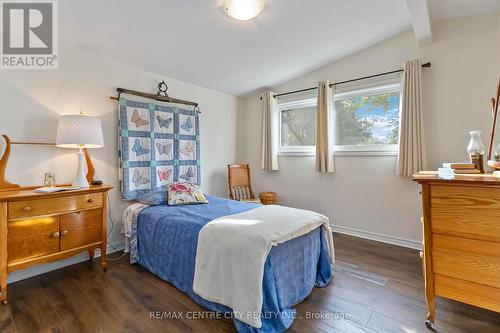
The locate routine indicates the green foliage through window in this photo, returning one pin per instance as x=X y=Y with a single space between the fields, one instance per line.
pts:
x=368 y=120
x=371 y=119
x=298 y=126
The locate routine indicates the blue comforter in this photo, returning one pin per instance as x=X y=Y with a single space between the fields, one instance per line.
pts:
x=167 y=238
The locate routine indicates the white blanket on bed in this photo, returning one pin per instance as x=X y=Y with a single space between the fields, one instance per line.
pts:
x=232 y=251
x=129 y=217
x=129 y=228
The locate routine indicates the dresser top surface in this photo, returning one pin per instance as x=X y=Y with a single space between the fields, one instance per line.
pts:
x=427 y=177
x=28 y=192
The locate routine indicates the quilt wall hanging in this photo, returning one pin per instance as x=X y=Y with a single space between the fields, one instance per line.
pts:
x=159 y=143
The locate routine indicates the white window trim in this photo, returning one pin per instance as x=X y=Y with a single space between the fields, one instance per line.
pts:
x=368 y=91
x=311 y=152
x=295 y=150
x=366 y=150
x=301 y=103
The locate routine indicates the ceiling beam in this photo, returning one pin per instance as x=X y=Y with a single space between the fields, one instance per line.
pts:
x=421 y=20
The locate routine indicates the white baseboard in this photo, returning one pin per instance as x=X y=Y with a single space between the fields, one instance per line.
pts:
x=409 y=243
x=44 y=268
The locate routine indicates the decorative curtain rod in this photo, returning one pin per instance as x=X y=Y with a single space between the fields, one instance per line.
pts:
x=160 y=96
x=427 y=64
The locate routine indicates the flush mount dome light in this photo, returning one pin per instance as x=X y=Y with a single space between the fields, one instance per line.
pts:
x=243 y=10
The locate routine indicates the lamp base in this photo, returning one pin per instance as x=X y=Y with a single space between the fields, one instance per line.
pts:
x=80 y=178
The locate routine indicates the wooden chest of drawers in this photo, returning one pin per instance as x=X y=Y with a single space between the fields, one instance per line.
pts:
x=461 y=223
x=40 y=228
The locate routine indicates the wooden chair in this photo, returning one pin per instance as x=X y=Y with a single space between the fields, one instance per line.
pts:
x=240 y=187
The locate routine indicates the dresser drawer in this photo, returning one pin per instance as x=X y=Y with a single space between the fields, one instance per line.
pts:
x=471 y=212
x=466 y=259
x=32 y=238
x=41 y=207
x=468 y=292
x=80 y=229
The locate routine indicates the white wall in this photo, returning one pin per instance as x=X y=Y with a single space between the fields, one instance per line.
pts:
x=33 y=100
x=498 y=51
x=364 y=193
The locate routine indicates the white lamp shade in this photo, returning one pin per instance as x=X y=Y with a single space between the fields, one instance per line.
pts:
x=79 y=131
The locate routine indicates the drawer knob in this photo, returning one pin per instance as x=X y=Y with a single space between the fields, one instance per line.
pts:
x=90 y=200
x=56 y=234
x=64 y=232
x=27 y=208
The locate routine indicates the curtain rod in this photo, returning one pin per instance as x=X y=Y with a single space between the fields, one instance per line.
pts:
x=155 y=97
x=427 y=64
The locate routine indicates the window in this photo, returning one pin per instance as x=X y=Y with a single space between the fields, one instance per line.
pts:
x=297 y=127
x=367 y=120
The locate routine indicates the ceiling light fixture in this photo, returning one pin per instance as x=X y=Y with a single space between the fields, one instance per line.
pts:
x=243 y=10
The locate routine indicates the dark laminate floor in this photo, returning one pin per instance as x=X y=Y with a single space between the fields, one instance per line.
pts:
x=377 y=287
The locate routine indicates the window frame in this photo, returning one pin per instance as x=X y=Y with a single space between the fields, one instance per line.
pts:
x=375 y=149
x=295 y=150
x=374 y=87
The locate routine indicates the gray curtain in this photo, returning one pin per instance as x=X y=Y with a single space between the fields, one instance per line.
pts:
x=324 y=129
x=411 y=151
x=270 y=123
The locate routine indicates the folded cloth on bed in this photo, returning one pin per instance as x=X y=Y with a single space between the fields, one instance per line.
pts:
x=129 y=227
x=233 y=249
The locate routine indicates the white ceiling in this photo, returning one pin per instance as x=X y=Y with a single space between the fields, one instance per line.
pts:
x=195 y=42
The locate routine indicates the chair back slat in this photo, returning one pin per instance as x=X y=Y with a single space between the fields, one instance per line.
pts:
x=240 y=187
x=241 y=193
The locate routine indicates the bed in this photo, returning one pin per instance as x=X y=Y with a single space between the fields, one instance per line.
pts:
x=164 y=240
x=249 y=262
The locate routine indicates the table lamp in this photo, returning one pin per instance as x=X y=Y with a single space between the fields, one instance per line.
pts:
x=79 y=131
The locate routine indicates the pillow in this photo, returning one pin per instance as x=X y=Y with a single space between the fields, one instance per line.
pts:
x=184 y=194
x=153 y=198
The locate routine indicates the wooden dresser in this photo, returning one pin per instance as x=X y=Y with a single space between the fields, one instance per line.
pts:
x=41 y=228
x=461 y=223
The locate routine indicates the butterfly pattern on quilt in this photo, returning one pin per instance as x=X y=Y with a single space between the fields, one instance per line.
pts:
x=164 y=174
x=164 y=148
x=138 y=120
x=159 y=145
x=187 y=150
x=140 y=177
x=139 y=149
x=164 y=122
x=188 y=174
x=188 y=125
